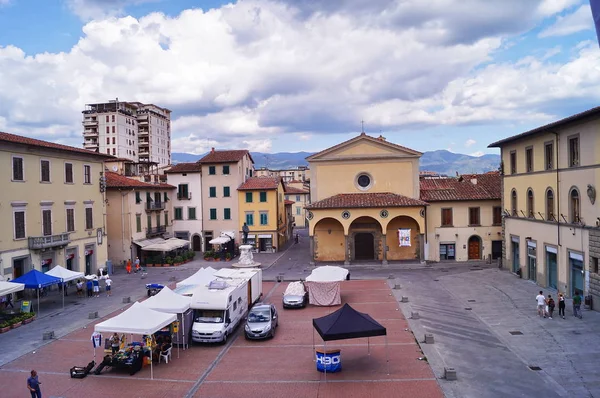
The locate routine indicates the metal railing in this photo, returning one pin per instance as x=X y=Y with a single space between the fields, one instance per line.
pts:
x=45 y=242
x=154 y=231
x=184 y=195
x=155 y=205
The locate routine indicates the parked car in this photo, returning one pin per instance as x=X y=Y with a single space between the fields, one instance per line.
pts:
x=261 y=322
x=295 y=295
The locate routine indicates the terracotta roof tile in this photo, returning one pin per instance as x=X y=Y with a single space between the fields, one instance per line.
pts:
x=227 y=156
x=289 y=202
x=193 y=167
x=487 y=187
x=365 y=200
x=257 y=183
x=115 y=180
x=289 y=189
x=19 y=139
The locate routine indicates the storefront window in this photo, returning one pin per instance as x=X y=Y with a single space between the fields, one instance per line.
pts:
x=447 y=251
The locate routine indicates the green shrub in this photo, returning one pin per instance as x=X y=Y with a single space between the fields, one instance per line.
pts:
x=209 y=254
x=228 y=256
x=4 y=325
x=169 y=260
x=216 y=255
x=178 y=259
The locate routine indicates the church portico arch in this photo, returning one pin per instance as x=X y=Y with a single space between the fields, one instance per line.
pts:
x=328 y=240
x=410 y=249
x=365 y=239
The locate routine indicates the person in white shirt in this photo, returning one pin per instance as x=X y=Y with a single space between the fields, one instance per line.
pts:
x=108 y=283
x=541 y=304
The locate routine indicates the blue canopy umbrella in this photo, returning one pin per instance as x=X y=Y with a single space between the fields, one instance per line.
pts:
x=35 y=279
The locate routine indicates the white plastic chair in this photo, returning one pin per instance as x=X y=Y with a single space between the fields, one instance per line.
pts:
x=166 y=355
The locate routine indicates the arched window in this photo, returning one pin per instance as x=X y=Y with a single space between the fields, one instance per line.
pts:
x=530 y=208
x=513 y=202
x=550 y=205
x=574 y=205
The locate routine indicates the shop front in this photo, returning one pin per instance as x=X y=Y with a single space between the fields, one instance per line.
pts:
x=577 y=272
x=552 y=266
x=89 y=259
x=71 y=260
x=532 y=261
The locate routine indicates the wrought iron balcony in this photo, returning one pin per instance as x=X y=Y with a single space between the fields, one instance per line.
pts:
x=155 y=206
x=184 y=195
x=45 y=242
x=155 y=231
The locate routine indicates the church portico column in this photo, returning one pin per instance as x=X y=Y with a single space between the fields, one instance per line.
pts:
x=384 y=245
x=346 y=250
x=312 y=250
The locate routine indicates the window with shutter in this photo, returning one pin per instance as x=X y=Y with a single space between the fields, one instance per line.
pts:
x=264 y=218
x=212 y=192
x=497 y=215
x=138 y=223
x=227 y=214
x=70 y=220
x=45 y=170
x=212 y=170
x=69 y=173
x=191 y=213
x=179 y=213
x=19 y=224
x=138 y=198
x=213 y=214
x=263 y=197
x=89 y=221
x=446 y=217
x=250 y=218
x=226 y=169
x=226 y=192
x=248 y=197
x=47 y=222
x=474 y=216
x=87 y=174
x=18 y=169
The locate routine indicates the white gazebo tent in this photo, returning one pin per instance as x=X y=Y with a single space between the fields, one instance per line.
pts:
x=137 y=319
x=170 y=302
x=66 y=275
x=10 y=287
x=327 y=282
x=167 y=246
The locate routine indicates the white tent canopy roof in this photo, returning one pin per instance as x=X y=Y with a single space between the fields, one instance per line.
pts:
x=202 y=277
x=168 y=301
x=328 y=273
x=66 y=275
x=137 y=319
x=10 y=287
x=147 y=242
x=167 y=245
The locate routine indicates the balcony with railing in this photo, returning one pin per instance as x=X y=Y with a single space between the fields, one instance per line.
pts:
x=46 y=242
x=90 y=144
x=144 y=152
x=144 y=143
x=184 y=195
x=90 y=122
x=90 y=132
x=155 y=231
x=150 y=206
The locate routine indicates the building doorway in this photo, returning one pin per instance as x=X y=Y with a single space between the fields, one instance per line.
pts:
x=552 y=268
x=89 y=260
x=364 y=246
x=515 y=257
x=496 y=249
x=474 y=248
x=196 y=243
x=531 y=263
x=576 y=265
x=208 y=236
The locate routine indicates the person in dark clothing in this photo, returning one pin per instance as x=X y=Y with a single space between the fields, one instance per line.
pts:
x=577 y=305
x=33 y=385
x=551 y=305
x=561 y=305
x=9 y=302
x=89 y=286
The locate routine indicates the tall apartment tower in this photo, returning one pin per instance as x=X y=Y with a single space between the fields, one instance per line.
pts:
x=130 y=130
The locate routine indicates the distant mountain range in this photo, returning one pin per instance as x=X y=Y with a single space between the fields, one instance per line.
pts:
x=441 y=161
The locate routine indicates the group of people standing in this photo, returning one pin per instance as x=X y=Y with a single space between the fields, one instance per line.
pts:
x=92 y=287
x=137 y=265
x=546 y=305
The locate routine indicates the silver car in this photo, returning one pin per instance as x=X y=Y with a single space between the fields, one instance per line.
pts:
x=295 y=296
x=261 y=322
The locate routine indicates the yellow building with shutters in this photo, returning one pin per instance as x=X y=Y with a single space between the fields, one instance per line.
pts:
x=262 y=207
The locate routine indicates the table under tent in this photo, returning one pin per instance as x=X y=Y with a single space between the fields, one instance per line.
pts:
x=66 y=275
x=136 y=320
x=35 y=279
x=172 y=303
x=347 y=323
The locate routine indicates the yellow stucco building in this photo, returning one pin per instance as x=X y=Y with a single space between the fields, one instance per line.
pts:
x=51 y=206
x=552 y=221
x=262 y=207
x=365 y=202
x=300 y=198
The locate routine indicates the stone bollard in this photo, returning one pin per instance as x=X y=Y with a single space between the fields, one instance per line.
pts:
x=429 y=338
x=279 y=278
x=450 y=373
x=404 y=299
x=93 y=315
x=126 y=300
x=397 y=286
x=49 y=335
x=391 y=276
x=172 y=279
x=414 y=315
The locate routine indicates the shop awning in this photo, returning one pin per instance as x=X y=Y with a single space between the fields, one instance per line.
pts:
x=10 y=287
x=147 y=242
x=66 y=275
x=167 y=245
x=137 y=319
x=220 y=240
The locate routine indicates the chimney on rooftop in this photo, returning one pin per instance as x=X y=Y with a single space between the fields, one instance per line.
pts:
x=212 y=150
x=382 y=138
x=474 y=181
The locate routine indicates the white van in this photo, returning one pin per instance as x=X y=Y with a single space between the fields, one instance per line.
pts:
x=218 y=309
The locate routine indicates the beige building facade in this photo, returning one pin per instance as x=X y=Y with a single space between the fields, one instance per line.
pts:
x=137 y=212
x=52 y=206
x=222 y=173
x=300 y=198
x=551 y=214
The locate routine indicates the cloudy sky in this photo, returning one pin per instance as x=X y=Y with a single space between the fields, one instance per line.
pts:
x=293 y=75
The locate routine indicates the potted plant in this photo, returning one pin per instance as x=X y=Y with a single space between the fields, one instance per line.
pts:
x=216 y=256
x=4 y=327
x=191 y=254
x=228 y=256
x=178 y=260
x=168 y=261
x=15 y=322
x=208 y=255
x=28 y=317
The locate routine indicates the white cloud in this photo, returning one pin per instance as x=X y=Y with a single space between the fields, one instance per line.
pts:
x=477 y=154
x=470 y=142
x=572 y=23
x=552 y=7
x=97 y=9
x=258 y=145
x=255 y=71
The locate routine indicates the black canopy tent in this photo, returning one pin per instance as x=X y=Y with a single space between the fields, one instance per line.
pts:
x=347 y=323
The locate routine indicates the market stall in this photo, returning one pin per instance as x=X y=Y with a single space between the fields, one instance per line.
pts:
x=10 y=287
x=35 y=279
x=139 y=320
x=66 y=275
x=170 y=302
x=324 y=285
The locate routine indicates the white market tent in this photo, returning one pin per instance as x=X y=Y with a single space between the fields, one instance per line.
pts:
x=137 y=319
x=170 y=302
x=328 y=273
x=202 y=277
x=66 y=275
x=167 y=245
x=10 y=287
x=224 y=238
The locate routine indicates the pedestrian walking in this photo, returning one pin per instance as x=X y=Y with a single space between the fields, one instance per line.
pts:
x=550 y=304
x=577 y=305
x=541 y=304
x=79 y=288
x=96 y=285
x=33 y=385
x=88 y=287
x=128 y=266
x=137 y=264
x=561 y=305
x=9 y=302
x=108 y=283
